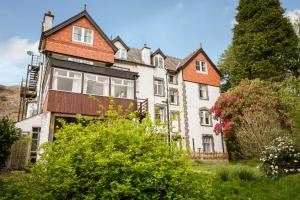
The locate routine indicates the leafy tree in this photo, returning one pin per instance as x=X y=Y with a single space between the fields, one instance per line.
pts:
x=8 y=135
x=264 y=44
x=257 y=130
x=113 y=157
x=254 y=97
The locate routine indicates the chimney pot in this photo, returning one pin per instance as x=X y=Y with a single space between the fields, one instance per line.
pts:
x=48 y=21
x=146 y=54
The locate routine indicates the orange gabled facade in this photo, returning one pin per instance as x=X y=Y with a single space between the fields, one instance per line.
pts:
x=212 y=77
x=61 y=42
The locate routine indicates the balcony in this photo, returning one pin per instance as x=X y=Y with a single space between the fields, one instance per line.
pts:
x=74 y=103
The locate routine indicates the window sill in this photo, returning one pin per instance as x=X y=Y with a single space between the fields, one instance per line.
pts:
x=201 y=72
x=207 y=125
x=82 y=43
x=157 y=95
x=206 y=99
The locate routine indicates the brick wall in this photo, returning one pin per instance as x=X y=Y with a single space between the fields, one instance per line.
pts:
x=61 y=42
x=211 y=78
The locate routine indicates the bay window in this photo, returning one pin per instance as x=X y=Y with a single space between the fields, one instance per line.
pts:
x=122 y=88
x=65 y=80
x=96 y=85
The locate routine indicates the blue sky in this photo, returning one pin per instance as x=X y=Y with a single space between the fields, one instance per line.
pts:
x=176 y=26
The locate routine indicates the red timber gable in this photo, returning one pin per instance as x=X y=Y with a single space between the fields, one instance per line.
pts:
x=60 y=41
x=212 y=77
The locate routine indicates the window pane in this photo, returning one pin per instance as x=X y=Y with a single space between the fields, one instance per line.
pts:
x=158 y=87
x=64 y=84
x=61 y=72
x=96 y=85
x=122 y=88
x=71 y=83
x=161 y=64
x=87 y=36
x=77 y=33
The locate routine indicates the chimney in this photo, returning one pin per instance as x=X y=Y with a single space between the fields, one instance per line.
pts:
x=48 y=21
x=146 y=55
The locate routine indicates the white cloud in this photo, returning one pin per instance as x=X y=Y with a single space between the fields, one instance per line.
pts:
x=14 y=59
x=292 y=14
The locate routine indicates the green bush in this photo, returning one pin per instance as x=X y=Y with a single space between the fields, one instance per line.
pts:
x=9 y=134
x=113 y=158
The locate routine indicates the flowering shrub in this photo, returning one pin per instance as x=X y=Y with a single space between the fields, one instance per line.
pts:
x=248 y=96
x=281 y=157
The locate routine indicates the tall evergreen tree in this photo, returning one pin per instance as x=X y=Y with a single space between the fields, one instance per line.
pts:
x=264 y=44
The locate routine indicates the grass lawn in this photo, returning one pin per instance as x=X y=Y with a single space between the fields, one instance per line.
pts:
x=246 y=181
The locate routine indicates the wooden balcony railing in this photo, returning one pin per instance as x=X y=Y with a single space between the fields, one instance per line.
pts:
x=142 y=107
x=209 y=156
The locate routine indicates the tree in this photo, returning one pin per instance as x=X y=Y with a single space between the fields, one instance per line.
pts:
x=255 y=97
x=264 y=44
x=9 y=134
x=113 y=157
x=256 y=131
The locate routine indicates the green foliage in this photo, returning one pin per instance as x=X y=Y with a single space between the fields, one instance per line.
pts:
x=261 y=187
x=8 y=135
x=264 y=44
x=246 y=174
x=113 y=157
x=223 y=174
x=281 y=157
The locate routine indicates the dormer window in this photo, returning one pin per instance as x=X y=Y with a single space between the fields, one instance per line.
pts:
x=158 y=61
x=82 y=35
x=121 y=53
x=201 y=66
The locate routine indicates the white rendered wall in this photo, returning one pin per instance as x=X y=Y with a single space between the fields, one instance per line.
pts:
x=41 y=120
x=194 y=103
x=145 y=88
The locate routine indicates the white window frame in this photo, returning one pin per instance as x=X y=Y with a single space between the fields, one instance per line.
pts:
x=119 y=53
x=82 y=35
x=175 y=98
x=200 y=64
x=174 y=79
x=156 y=80
x=162 y=113
x=203 y=114
x=106 y=84
x=122 y=84
x=203 y=88
x=157 y=64
x=54 y=81
x=207 y=140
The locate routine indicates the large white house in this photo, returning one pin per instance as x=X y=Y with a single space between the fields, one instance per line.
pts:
x=78 y=60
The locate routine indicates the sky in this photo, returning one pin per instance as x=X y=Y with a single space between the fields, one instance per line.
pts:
x=176 y=26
